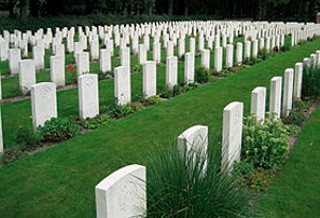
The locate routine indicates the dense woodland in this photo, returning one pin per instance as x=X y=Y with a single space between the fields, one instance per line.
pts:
x=299 y=10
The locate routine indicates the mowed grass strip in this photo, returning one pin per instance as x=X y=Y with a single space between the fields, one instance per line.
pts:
x=60 y=181
x=296 y=191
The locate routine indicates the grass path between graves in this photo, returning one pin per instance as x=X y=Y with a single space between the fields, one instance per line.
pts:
x=60 y=181
x=296 y=191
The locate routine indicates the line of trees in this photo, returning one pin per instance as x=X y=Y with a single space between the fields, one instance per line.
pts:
x=300 y=10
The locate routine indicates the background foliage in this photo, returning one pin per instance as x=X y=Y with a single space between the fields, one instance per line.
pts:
x=288 y=10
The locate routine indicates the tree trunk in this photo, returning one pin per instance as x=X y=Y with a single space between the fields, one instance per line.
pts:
x=170 y=7
x=186 y=9
x=23 y=10
x=11 y=8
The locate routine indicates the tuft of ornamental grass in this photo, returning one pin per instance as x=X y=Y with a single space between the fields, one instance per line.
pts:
x=176 y=190
x=310 y=83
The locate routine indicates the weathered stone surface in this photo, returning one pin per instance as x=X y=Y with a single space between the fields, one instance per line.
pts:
x=88 y=94
x=122 y=85
x=27 y=75
x=232 y=134
x=149 y=79
x=193 y=147
x=122 y=194
x=287 y=92
x=275 y=97
x=171 y=72
x=44 y=103
x=258 y=102
x=189 y=60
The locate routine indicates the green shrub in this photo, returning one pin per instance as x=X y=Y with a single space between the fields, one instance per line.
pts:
x=58 y=129
x=171 y=92
x=285 y=48
x=94 y=123
x=150 y=101
x=27 y=139
x=176 y=191
x=125 y=110
x=293 y=129
x=201 y=74
x=295 y=118
x=263 y=54
x=264 y=145
x=190 y=87
x=137 y=68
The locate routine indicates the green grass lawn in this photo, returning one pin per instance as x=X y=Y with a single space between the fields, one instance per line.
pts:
x=296 y=191
x=60 y=181
x=68 y=101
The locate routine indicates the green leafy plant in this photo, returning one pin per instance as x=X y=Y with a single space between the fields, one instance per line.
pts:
x=137 y=68
x=27 y=139
x=94 y=123
x=263 y=54
x=125 y=110
x=201 y=74
x=293 y=129
x=175 y=190
x=58 y=129
x=190 y=87
x=264 y=145
x=171 y=92
x=295 y=118
x=150 y=101
x=285 y=48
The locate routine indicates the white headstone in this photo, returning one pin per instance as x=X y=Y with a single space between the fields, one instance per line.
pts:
x=122 y=194
x=287 y=92
x=171 y=72
x=105 y=60
x=149 y=79
x=38 y=57
x=94 y=49
x=170 y=49
x=298 y=75
x=83 y=65
x=192 y=45
x=205 y=58
x=239 y=53
x=157 y=52
x=218 y=59
x=57 y=70
x=122 y=85
x=142 y=54
x=193 y=147
x=247 y=49
x=232 y=134
x=229 y=56
x=27 y=75
x=88 y=92
x=182 y=47
x=14 y=58
x=258 y=102
x=255 y=48
x=4 y=49
x=275 y=97
x=44 y=103
x=189 y=67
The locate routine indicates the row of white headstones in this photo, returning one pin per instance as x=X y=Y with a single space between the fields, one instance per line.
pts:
x=43 y=95
x=123 y=193
x=263 y=35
